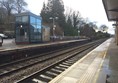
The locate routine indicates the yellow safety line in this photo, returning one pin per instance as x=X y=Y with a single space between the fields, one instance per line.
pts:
x=91 y=73
x=98 y=72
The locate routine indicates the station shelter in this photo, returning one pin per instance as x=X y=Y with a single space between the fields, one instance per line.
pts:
x=28 y=28
x=111 y=8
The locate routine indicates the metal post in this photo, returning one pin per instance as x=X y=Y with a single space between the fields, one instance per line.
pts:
x=53 y=28
x=116 y=33
x=1 y=41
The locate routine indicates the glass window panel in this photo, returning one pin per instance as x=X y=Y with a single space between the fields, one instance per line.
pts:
x=38 y=21
x=32 y=20
x=25 y=19
x=39 y=31
x=33 y=26
x=35 y=30
x=18 y=19
x=22 y=32
x=39 y=26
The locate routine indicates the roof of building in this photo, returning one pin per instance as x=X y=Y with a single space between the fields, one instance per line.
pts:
x=28 y=13
x=111 y=8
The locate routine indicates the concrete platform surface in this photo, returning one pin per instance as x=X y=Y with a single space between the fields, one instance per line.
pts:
x=87 y=69
x=112 y=59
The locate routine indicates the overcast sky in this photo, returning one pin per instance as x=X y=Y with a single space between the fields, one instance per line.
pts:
x=91 y=9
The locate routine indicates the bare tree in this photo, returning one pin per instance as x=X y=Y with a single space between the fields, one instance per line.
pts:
x=103 y=28
x=8 y=5
x=13 y=5
x=73 y=21
x=93 y=24
x=20 y=5
x=76 y=17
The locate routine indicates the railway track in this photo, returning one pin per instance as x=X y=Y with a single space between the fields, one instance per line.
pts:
x=7 y=68
x=48 y=73
x=42 y=62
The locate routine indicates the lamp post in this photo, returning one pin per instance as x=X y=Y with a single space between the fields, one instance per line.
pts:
x=78 y=33
x=54 y=26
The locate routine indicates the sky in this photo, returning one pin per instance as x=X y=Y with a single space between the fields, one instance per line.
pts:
x=90 y=9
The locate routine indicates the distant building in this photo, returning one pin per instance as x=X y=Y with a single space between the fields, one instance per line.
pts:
x=28 y=28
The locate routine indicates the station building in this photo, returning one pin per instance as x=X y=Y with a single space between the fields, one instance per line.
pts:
x=28 y=28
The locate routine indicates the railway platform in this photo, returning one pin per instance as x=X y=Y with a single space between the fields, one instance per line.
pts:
x=98 y=66
x=10 y=44
x=10 y=51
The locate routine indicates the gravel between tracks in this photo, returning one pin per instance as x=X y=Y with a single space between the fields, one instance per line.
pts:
x=17 y=76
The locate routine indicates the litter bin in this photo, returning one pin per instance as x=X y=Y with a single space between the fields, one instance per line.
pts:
x=1 y=41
